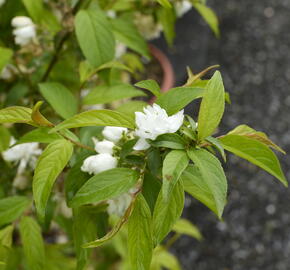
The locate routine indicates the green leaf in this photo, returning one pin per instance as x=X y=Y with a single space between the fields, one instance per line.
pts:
x=177 y=98
x=212 y=107
x=183 y=226
x=85 y=228
x=195 y=185
x=209 y=16
x=106 y=185
x=96 y=118
x=12 y=208
x=256 y=135
x=213 y=175
x=5 y=56
x=169 y=140
x=95 y=37
x=140 y=238
x=151 y=86
x=216 y=143
x=60 y=98
x=15 y=114
x=150 y=189
x=74 y=180
x=167 y=18
x=126 y=32
x=114 y=64
x=164 y=3
x=131 y=107
x=6 y=236
x=49 y=165
x=106 y=94
x=167 y=212
x=255 y=152
x=174 y=164
x=34 y=9
x=163 y=259
x=32 y=242
x=5 y=138
x=38 y=118
x=40 y=135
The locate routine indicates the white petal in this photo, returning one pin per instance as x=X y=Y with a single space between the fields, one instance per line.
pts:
x=175 y=121
x=141 y=144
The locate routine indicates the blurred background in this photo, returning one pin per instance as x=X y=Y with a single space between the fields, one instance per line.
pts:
x=253 y=53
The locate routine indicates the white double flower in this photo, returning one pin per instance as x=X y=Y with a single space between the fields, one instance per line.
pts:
x=24 y=31
x=104 y=160
x=25 y=155
x=154 y=122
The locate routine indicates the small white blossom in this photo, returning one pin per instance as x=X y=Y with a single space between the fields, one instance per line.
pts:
x=8 y=72
x=2 y=2
x=111 y=14
x=119 y=205
x=120 y=49
x=25 y=154
x=154 y=122
x=114 y=134
x=99 y=163
x=24 y=30
x=146 y=25
x=182 y=7
x=104 y=146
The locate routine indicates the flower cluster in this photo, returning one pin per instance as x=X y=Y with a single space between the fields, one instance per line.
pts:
x=24 y=31
x=104 y=160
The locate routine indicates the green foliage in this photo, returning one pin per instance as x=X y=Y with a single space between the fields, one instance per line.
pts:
x=213 y=175
x=255 y=152
x=177 y=98
x=50 y=164
x=60 y=99
x=150 y=85
x=5 y=56
x=105 y=185
x=96 y=118
x=167 y=212
x=15 y=114
x=140 y=240
x=101 y=48
x=174 y=164
x=126 y=32
x=32 y=242
x=212 y=107
x=97 y=41
x=107 y=93
x=11 y=208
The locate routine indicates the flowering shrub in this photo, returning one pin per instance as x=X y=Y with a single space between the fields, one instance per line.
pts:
x=94 y=168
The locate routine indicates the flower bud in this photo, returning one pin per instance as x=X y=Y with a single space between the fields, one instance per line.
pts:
x=99 y=163
x=24 y=30
x=21 y=21
x=114 y=134
x=104 y=147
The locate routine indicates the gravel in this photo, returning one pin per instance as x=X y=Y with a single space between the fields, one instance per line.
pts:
x=255 y=62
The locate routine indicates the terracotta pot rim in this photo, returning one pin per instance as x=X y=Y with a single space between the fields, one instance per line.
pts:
x=168 y=79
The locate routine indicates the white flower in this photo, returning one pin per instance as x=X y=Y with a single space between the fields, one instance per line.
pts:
x=182 y=7
x=2 y=2
x=119 y=205
x=120 y=49
x=146 y=25
x=111 y=14
x=24 y=30
x=99 y=163
x=25 y=154
x=104 y=146
x=114 y=134
x=154 y=122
